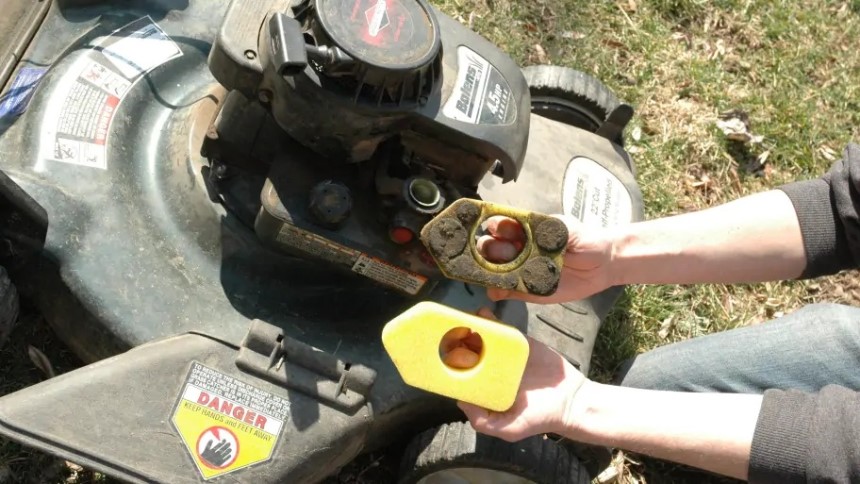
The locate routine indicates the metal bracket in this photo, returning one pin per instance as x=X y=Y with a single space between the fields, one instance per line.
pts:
x=615 y=123
x=269 y=354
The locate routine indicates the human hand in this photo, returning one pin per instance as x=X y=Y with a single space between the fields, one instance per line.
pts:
x=543 y=402
x=217 y=455
x=587 y=261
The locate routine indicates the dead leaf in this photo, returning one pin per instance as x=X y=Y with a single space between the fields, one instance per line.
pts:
x=631 y=6
x=41 y=361
x=570 y=35
x=665 y=327
x=541 y=54
x=609 y=475
x=616 y=44
x=827 y=152
x=736 y=128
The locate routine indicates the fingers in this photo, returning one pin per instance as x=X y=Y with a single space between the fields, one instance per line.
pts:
x=461 y=357
x=496 y=294
x=505 y=228
x=486 y=313
x=453 y=338
x=496 y=250
x=477 y=416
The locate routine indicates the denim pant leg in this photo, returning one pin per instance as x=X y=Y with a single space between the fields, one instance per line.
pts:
x=815 y=346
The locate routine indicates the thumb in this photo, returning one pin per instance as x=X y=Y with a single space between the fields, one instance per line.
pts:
x=479 y=417
x=495 y=294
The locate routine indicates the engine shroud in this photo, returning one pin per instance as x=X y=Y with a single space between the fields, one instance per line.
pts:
x=449 y=95
x=372 y=97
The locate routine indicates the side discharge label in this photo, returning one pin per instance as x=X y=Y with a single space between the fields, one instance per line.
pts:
x=227 y=424
x=594 y=195
x=371 y=267
x=481 y=94
x=79 y=114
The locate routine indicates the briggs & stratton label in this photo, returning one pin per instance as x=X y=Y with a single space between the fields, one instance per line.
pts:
x=481 y=94
x=227 y=424
x=371 y=267
x=80 y=113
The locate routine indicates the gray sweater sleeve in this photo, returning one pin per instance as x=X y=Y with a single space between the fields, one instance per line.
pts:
x=827 y=209
x=804 y=437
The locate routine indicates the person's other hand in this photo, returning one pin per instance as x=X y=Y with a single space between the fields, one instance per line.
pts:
x=587 y=262
x=548 y=387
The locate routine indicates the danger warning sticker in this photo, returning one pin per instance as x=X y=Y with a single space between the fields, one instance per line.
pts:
x=227 y=424
x=80 y=112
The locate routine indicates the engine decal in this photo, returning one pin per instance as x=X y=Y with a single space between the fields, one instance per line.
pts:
x=595 y=196
x=309 y=243
x=225 y=423
x=377 y=18
x=79 y=114
x=481 y=95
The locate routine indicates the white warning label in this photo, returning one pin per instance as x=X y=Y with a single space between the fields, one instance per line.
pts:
x=594 y=195
x=225 y=423
x=80 y=112
x=383 y=272
x=141 y=50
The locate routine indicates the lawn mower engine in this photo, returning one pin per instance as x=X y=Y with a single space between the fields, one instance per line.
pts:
x=229 y=195
x=399 y=121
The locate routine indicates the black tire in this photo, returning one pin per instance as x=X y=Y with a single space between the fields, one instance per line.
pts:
x=458 y=446
x=8 y=306
x=569 y=96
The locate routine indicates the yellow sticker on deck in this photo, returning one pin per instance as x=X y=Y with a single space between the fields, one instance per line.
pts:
x=225 y=423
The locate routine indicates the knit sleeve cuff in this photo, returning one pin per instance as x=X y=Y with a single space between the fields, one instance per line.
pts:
x=819 y=227
x=779 y=451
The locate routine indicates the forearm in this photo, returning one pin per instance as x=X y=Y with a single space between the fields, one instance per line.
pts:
x=708 y=431
x=752 y=239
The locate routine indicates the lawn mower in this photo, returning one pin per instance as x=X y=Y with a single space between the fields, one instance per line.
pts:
x=217 y=206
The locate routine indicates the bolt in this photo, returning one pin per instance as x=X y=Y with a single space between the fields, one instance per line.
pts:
x=250 y=54
x=219 y=170
x=265 y=96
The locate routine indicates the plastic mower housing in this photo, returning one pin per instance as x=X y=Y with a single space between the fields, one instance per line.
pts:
x=235 y=192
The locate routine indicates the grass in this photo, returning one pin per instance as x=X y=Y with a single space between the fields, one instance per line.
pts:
x=792 y=66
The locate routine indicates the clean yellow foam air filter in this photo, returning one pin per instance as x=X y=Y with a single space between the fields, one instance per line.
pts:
x=412 y=341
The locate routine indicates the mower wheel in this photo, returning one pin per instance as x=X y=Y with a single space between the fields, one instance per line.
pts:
x=570 y=96
x=455 y=454
x=8 y=305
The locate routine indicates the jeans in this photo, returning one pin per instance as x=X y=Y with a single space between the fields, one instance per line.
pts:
x=806 y=350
